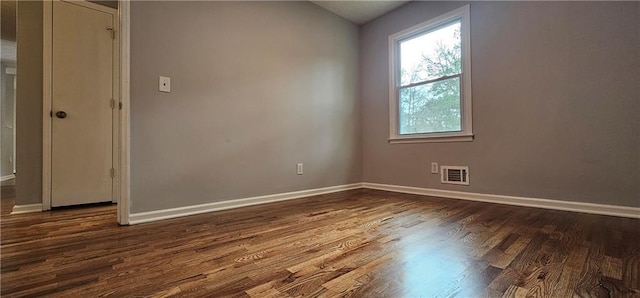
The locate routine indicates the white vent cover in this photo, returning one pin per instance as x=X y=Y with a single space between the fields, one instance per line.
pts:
x=454 y=175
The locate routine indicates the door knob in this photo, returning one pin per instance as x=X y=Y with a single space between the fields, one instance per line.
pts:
x=61 y=114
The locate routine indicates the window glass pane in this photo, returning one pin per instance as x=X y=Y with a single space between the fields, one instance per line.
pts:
x=433 y=107
x=431 y=55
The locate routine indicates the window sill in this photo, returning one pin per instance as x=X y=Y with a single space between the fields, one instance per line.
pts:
x=431 y=139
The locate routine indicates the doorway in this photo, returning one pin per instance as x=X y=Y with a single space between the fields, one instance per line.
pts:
x=8 y=80
x=81 y=104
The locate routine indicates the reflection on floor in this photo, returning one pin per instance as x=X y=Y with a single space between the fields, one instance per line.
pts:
x=362 y=243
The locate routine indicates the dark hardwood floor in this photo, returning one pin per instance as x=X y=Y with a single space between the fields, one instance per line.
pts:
x=360 y=243
x=7 y=199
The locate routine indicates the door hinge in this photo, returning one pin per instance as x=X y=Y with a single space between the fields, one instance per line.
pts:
x=51 y=114
x=113 y=173
x=120 y=105
x=113 y=33
x=113 y=103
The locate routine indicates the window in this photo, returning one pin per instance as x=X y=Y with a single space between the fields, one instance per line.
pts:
x=430 y=81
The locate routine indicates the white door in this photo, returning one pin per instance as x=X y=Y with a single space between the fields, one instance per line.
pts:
x=82 y=111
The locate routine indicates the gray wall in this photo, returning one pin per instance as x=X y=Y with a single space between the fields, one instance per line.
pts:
x=256 y=88
x=554 y=85
x=556 y=102
x=29 y=104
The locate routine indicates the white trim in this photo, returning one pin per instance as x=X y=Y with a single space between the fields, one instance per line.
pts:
x=150 y=216
x=14 y=128
x=467 y=120
x=47 y=99
x=433 y=139
x=115 y=112
x=7 y=177
x=31 y=208
x=10 y=71
x=47 y=60
x=466 y=134
x=622 y=211
x=124 y=204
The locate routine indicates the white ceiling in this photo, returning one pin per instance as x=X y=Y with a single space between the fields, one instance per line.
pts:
x=357 y=11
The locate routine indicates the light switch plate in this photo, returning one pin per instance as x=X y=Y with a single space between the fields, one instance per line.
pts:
x=164 y=84
x=434 y=168
x=300 y=169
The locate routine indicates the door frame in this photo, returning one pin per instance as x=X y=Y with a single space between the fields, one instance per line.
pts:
x=120 y=122
x=13 y=72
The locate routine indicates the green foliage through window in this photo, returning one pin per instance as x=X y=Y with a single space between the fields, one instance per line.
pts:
x=430 y=78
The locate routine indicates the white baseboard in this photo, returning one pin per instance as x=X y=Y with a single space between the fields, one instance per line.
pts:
x=8 y=177
x=613 y=210
x=20 y=209
x=142 y=217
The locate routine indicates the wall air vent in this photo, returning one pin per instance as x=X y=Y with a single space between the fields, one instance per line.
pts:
x=454 y=175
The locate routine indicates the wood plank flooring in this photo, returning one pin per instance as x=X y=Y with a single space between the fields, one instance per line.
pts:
x=360 y=243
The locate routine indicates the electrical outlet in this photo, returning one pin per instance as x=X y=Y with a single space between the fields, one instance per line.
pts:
x=299 y=169
x=434 y=168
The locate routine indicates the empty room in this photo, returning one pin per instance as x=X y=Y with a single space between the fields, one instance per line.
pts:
x=320 y=149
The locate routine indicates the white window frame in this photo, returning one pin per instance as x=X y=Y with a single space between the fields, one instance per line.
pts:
x=466 y=134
